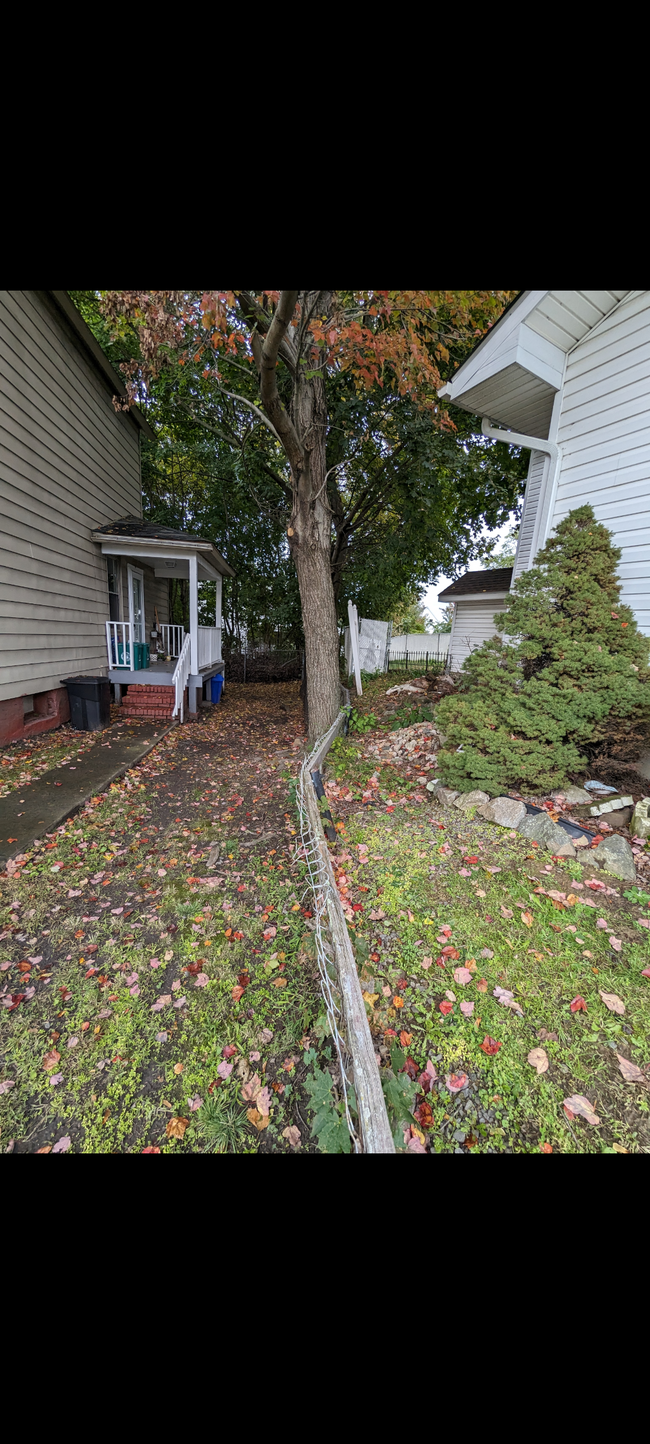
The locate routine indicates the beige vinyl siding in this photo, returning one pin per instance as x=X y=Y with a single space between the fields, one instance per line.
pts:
x=536 y=467
x=68 y=463
x=604 y=432
x=472 y=625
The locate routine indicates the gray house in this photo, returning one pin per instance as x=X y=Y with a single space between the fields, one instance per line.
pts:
x=83 y=581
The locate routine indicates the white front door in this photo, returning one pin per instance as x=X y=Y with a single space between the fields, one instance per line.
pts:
x=136 y=603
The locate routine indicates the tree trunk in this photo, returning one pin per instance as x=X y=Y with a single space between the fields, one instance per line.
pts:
x=310 y=549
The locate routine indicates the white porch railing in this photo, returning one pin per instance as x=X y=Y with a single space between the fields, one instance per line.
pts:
x=209 y=646
x=173 y=638
x=181 y=674
x=119 y=645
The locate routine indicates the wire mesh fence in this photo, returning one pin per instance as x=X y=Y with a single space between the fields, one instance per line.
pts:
x=263 y=665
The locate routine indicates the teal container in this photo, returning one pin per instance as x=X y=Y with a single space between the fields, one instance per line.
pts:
x=140 y=656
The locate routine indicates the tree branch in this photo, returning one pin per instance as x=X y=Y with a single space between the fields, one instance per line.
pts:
x=282 y=422
x=258 y=318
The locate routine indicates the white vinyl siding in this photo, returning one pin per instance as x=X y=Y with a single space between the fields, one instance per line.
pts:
x=604 y=433
x=68 y=463
x=473 y=624
x=536 y=470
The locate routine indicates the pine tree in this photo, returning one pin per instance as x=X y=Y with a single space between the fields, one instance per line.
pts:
x=571 y=682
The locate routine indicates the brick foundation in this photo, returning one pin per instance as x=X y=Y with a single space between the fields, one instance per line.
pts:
x=51 y=709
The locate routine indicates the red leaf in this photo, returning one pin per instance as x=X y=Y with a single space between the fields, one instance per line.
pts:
x=229 y=1051
x=450 y=953
x=446 y=1007
x=411 y=1069
x=236 y=994
x=578 y=1005
x=490 y=1045
x=424 y=1114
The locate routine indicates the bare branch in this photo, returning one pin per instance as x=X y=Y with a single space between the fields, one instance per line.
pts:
x=257 y=316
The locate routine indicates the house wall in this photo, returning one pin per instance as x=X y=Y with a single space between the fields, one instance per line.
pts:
x=472 y=625
x=604 y=432
x=68 y=463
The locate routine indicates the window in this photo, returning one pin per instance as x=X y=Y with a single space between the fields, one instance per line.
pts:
x=114 y=588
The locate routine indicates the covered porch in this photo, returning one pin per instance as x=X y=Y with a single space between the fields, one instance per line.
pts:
x=163 y=666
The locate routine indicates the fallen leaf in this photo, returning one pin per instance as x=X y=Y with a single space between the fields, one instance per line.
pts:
x=251 y=1089
x=230 y=1050
x=446 y=1008
x=266 y=1035
x=467 y=1008
x=527 y=918
x=613 y=1002
x=259 y=1120
x=424 y=1114
x=50 y=1060
x=292 y=1135
x=546 y=1037
x=56 y=1079
x=161 y=1003
x=462 y=976
x=618 y=1148
x=224 y=1069
x=195 y=1103
x=6 y=1084
x=63 y=1144
x=600 y=923
x=506 y=912
x=237 y=993
x=48 y=1146
x=72 y=1042
x=546 y=1148
x=630 y=1072
x=487 y=953
x=538 y=1059
x=490 y=1046
x=202 y=981
x=455 y=1082
x=405 y=1039
x=578 y=1005
x=616 y=944
x=504 y=996
x=450 y=995
x=150 y=1149
x=178 y=1068
x=577 y=1106
x=176 y=1127
x=482 y=985
x=263 y=1102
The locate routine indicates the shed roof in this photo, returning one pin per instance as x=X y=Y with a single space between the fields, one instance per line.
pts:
x=479 y=584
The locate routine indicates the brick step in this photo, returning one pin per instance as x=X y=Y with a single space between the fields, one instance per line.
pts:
x=136 y=690
x=147 y=712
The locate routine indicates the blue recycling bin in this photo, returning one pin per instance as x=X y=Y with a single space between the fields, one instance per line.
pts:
x=216 y=685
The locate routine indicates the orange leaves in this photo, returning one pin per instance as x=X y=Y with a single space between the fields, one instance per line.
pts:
x=527 y=918
x=578 y=1005
x=445 y=1007
x=176 y=1127
x=490 y=1046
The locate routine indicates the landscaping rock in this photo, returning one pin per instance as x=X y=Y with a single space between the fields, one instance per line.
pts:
x=445 y=795
x=615 y=855
x=620 y=817
x=640 y=826
x=465 y=800
x=576 y=794
x=538 y=827
x=566 y=849
x=504 y=811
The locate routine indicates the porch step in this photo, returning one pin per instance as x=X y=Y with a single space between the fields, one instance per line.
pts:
x=150 y=703
x=147 y=712
x=136 y=689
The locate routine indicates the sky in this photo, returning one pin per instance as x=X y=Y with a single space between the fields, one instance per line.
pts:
x=430 y=596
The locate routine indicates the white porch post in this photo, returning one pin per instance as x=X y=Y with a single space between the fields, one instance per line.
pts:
x=217 y=612
x=194 y=615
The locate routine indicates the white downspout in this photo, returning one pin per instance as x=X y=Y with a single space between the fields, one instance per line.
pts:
x=535 y=443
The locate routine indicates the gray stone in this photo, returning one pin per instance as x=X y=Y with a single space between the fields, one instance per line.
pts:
x=566 y=849
x=504 y=811
x=445 y=795
x=537 y=827
x=620 y=816
x=641 y=819
x=615 y=855
x=576 y=794
x=465 y=800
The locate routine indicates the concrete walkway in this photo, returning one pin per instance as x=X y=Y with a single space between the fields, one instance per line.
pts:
x=43 y=805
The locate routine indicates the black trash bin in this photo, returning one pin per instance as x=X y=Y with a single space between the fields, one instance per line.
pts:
x=90 y=702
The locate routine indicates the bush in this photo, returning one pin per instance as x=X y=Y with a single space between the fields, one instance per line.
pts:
x=571 y=684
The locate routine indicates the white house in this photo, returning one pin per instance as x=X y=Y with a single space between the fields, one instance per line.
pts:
x=565 y=374
x=83 y=580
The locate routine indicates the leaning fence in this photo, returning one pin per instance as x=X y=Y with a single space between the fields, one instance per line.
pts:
x=339 y=980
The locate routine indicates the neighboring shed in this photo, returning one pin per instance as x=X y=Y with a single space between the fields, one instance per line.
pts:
x=477 y=597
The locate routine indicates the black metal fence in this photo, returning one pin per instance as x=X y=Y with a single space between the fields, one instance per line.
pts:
x=262 y=665
x=417 y=662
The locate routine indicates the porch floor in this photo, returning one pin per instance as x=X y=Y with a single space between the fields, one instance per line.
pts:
x=157 y=674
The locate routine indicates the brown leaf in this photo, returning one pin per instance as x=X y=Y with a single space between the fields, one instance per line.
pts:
x=613 y=1002
x=176 y=1127
x=527 y=918
x=538 y=1059
x=50 y=1060
x=257 y=1119
x=482 y=985
x=630 y=1072
x=546 y=1037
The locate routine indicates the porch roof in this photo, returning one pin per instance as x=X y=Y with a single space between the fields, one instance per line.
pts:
x=474 y=585
x=130 y=536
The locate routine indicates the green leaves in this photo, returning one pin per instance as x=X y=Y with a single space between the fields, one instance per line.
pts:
x=329 y=1125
